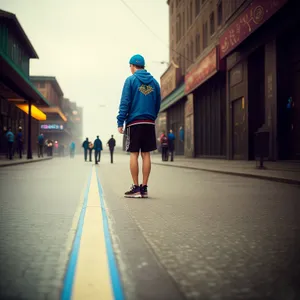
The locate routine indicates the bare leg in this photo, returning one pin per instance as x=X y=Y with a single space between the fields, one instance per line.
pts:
x=146 y=167
x=134 y=167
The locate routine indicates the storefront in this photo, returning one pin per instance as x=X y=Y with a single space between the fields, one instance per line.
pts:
x=257 y=66
x=205 y=84
x=172 y=105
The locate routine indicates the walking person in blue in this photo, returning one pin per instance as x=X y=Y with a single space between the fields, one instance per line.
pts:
x=85 y=146
x=41 y=142
x=72 y=149
x=171 y=144
x=98 y=149
x=10 y=143
x=20 y=142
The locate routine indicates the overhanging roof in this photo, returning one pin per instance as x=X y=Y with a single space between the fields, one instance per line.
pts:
x=54 y=110
x=18 y=83
x=172 y=98
x=51 y=79
x=26 y=42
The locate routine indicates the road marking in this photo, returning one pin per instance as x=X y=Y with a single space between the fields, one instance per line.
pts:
x=92 y=279
x=92 y=271
x=113 y=269
x=66 y=293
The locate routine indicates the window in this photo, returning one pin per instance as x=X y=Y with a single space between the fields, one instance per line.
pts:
x=183 y=23
x=212 y=23
x=192 y=51
x=177 y=28
x=197 y=44
x=191 y=13
x=220 y=13
x=172 y=8
x=197 y=7
x=42 y=84
x=205 y=35
x=187 y=56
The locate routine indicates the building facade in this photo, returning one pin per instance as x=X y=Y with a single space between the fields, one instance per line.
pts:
x=20 y=101
x=239 y=76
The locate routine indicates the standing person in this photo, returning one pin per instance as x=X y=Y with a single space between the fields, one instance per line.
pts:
x=41 y=142
x=171 y=144
x=98 y=148
x=72 y=149
x=164 y=146
x=85 y=146
x=139 y=107
x=20 y=142
x=181 y=134
x=10 y=143
x=111 y=144
x=91 y=147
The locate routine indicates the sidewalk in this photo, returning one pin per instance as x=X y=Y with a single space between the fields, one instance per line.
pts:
x=287 y=172
x=4 y=162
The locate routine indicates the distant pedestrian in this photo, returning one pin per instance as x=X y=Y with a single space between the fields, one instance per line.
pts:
x=20 y=142
x=10 y=143
x=171 y=144
x=111 y=144
x=85 y=146
x=72 y=149
x=139 y=107
x=91 y=147
x=41 y=141
x=181 y=134
x=98 y=148
x=164 y=146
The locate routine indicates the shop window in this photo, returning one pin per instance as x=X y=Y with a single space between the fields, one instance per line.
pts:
x=197 y=44
x=220 y=13
x=205 y=34
x=42 y=84
x=197 y=7
x=212 y=23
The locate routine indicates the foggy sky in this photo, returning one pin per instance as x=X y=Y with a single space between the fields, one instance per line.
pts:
x=87 y=44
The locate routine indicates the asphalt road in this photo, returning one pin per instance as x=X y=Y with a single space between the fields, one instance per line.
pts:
x=200 y=235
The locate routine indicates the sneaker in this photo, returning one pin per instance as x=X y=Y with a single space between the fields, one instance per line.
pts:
x=134 y=192
x=144 y=191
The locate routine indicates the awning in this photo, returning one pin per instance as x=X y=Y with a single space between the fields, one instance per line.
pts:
x=35 y=112
x=54 y=111
x=17 y=84
x=172 y=98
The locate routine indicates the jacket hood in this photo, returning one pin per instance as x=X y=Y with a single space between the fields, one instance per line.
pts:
x=144 y=76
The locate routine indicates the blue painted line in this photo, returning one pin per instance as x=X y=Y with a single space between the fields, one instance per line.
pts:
x=67 y=290
x=113 y=269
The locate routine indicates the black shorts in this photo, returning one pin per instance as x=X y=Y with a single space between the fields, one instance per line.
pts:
x=140 y=137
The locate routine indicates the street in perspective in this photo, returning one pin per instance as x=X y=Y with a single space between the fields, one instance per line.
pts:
x=149 y=150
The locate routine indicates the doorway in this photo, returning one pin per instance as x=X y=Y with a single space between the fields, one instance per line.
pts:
x=238 y=129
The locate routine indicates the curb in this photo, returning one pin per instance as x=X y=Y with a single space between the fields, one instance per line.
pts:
x=264 y=177
x=23 y=162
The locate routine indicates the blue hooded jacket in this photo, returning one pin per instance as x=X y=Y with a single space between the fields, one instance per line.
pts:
x=140 y=98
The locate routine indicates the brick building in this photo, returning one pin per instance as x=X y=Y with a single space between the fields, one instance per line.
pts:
x=222 y=83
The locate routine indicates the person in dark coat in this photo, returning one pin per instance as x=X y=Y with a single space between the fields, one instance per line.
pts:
x=20 y=142
x=164 y=146
x=111 y=144
x=85 y=146
x=98 y=148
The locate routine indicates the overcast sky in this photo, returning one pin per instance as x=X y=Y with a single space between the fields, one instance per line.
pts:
x=86 y=45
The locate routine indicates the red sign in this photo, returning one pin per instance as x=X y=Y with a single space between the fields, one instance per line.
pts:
x=258 y=12
x=201 y=72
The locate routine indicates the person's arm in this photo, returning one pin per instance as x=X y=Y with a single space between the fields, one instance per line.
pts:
x=124 y=104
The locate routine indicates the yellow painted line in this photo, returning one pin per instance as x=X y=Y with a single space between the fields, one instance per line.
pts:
x=92 y=278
